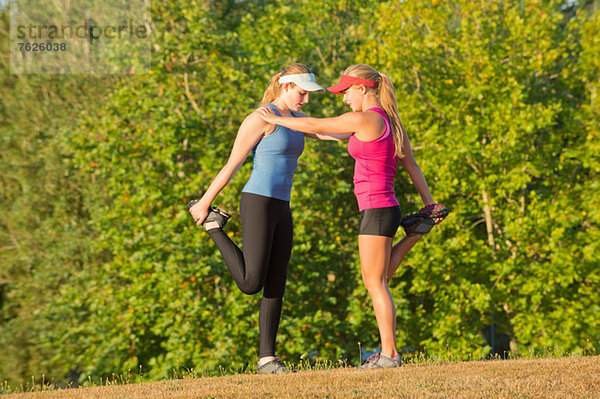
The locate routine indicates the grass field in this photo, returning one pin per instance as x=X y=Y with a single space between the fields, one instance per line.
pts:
x=572 y=377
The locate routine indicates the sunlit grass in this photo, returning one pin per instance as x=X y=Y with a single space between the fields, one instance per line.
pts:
x=304 y=363
x=574 y=376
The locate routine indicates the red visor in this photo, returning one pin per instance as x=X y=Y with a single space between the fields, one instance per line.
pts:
x=347 y=81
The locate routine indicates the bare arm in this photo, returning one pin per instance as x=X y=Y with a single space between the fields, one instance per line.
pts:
x=324 y=136
x=366 y=125
x=330 y=137
x=414 y=171
x=250 y=132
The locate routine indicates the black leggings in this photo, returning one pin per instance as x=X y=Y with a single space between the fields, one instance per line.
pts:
x=267 y=244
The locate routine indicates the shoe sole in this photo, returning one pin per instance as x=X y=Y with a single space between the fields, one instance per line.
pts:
x=423 y=227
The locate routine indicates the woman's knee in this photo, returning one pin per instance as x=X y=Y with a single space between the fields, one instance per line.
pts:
x=274 y=292
x=375 y=283
x=250 y=287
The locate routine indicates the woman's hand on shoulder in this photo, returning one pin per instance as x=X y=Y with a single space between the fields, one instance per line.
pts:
x=255 y=127
x=255 y=122
x=266 y=114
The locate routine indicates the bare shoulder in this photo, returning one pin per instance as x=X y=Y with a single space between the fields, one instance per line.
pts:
x=375 y=117
x=253 y=122
x=360 y=117
x=254 y=117
x=371 y=114
x=369 y=125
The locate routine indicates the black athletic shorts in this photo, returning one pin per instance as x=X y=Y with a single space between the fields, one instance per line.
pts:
x=380 y=221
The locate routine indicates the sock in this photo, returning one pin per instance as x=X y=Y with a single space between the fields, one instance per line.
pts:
x=211 y=225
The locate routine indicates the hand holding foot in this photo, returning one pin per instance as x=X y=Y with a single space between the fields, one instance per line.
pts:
x=423 y=221
x=208 y=217
x=198 y=211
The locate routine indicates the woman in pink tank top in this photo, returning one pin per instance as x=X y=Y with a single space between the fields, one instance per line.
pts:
x=377 y=143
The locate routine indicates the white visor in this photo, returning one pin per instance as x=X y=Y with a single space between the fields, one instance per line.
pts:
x=305 y=81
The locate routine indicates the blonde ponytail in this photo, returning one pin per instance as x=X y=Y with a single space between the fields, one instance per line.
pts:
x=388 y=101
x=387 y=98
x=274 y=88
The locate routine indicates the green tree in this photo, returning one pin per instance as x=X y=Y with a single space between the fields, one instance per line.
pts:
x=43 y=234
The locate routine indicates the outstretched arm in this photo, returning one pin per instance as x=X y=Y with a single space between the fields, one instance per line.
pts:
x=329 y=137
x=251 y=131
x=358 y=122
x=324 y=136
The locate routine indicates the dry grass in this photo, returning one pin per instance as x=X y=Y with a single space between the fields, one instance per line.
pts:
x=575 y=377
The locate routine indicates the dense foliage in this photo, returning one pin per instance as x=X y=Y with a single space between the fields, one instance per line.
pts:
x=103 y=272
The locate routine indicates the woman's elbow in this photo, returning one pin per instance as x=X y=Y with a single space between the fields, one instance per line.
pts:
x=409 y=163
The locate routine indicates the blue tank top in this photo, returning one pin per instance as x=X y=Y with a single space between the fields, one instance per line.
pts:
x=275 y=161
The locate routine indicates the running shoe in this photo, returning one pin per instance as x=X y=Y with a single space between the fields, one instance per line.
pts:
x=371 y=360
x=275 y=366
x=435 y=211
x=423 y=221
x=216 y=218
x=389 y=362
x=379 y=361
x=422 y=227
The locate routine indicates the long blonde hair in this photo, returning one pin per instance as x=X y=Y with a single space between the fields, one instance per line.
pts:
x=387 y=96
x=274 y=89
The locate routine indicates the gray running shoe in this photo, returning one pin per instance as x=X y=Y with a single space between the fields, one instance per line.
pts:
x=275 y=366
x=378 y=361
x=371 y=361
x=388 y=362
x=217 y=217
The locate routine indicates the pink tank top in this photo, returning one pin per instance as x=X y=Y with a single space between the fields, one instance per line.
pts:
x=375 y=168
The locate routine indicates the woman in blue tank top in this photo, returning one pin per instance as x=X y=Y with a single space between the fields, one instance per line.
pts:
x=264 y=204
